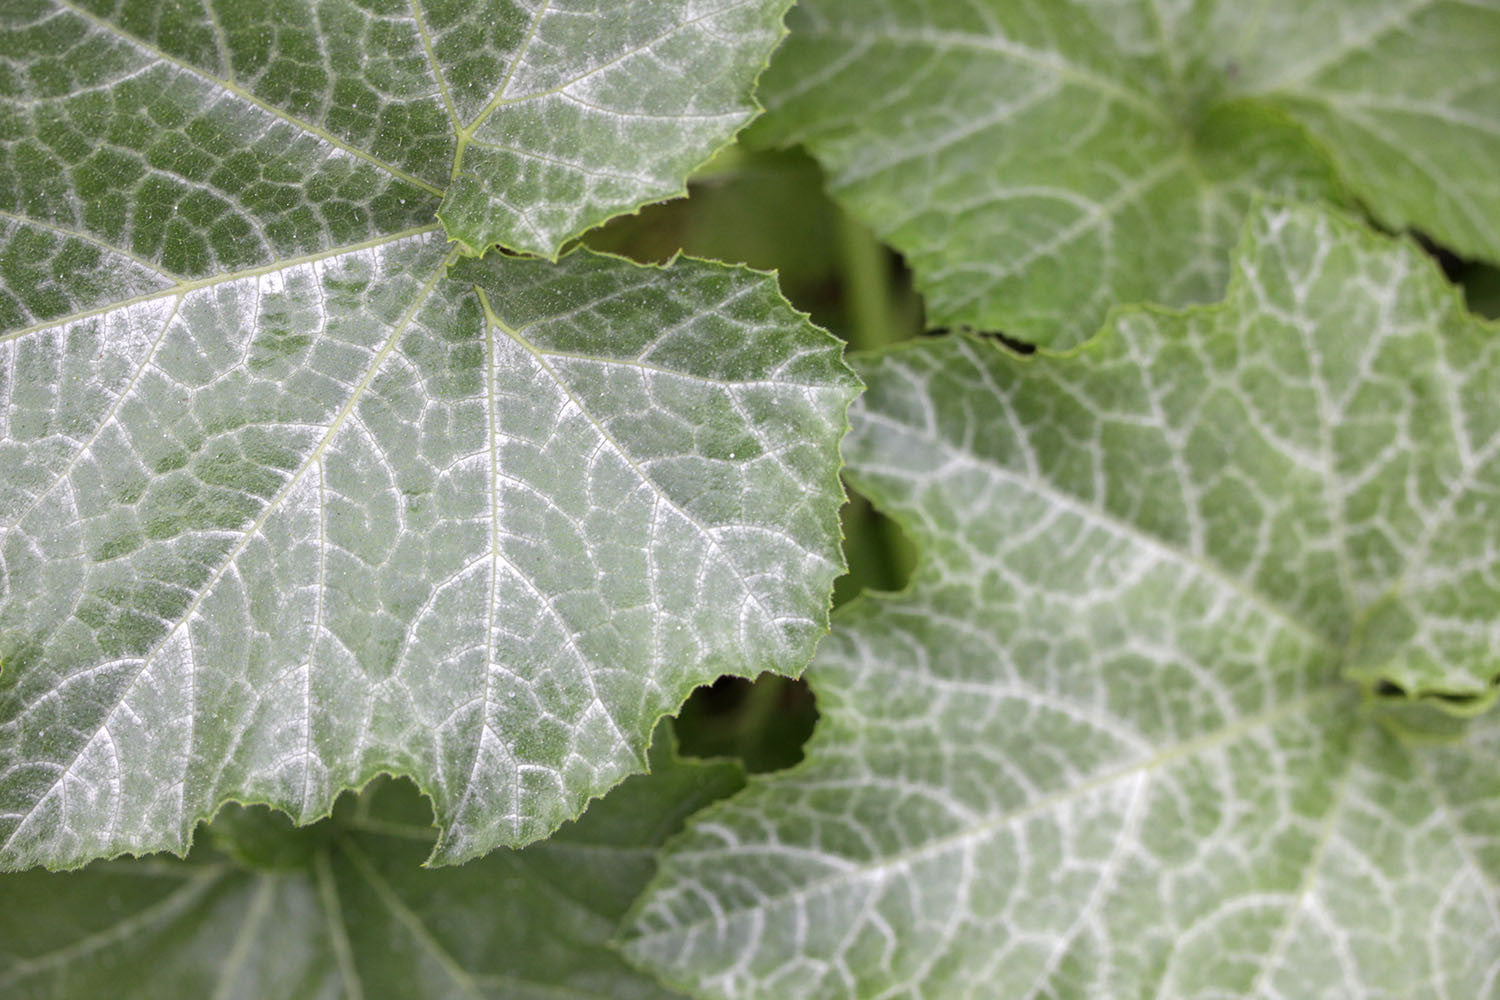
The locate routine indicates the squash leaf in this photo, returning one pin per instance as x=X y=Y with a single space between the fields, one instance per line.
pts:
x=291 y=493
x=270 y=534
x=1123 y=736
x=144 y=142
x=1040 y=162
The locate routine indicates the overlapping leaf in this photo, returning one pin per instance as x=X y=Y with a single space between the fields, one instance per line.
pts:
x=482 y=526
x=343 y=909
x=1108 y=743
x=1040 y=161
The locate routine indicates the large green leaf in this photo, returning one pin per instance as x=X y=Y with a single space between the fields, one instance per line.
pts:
x=1042 y=160
x=1106 y=744
x=142 y=142
x=343 y=908
x=291 y=493
x=268 y=535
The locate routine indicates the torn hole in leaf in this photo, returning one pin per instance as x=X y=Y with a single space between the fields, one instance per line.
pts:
x=764 y=723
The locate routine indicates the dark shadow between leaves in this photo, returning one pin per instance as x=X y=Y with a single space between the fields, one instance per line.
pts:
x=763 y=723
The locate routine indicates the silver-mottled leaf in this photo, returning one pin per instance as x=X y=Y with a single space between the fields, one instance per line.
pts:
x=144 y=142
x=1108 y=744
x=481 y=524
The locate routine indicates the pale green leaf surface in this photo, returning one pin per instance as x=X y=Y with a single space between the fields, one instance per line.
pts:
x=1039 y=162
x=480 y=523
x=143 y=142
x=343 y=908
x=1106 y=744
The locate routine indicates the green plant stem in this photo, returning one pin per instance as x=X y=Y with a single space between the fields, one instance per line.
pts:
x=760 y=706
x=872 y=321
x=869 y=304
